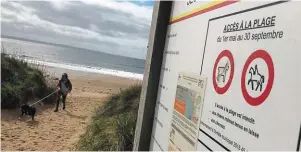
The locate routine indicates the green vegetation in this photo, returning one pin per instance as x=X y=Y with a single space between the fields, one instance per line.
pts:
x=21 y=82
x=113 y=125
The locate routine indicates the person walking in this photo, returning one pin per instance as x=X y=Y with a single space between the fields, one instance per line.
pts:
x=64 y=86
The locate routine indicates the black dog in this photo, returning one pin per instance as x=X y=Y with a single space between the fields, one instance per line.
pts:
x=28 y=110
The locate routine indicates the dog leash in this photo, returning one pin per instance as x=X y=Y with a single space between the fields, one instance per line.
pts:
x=44 y=98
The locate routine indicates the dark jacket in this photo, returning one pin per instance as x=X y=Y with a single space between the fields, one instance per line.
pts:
x=68 y=84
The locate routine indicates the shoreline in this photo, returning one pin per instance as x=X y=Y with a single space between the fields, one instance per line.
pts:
x=73 y=74
x=82 y=69
x=109 y=83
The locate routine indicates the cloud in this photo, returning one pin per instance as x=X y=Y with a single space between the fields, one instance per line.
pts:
x=113 y=27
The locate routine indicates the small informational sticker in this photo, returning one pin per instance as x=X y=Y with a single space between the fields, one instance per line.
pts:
x=187 y=111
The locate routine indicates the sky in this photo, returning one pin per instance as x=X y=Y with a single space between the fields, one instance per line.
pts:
x=115 y=27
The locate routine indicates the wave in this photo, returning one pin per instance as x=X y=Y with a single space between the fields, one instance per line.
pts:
x=90 y=69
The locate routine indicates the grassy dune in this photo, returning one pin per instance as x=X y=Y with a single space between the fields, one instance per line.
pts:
x=21 y=82
x=113 y=125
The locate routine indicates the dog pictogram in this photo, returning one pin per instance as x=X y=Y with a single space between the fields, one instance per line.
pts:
x=222 y=72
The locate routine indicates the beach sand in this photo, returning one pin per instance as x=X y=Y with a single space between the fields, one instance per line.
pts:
x=61 y=130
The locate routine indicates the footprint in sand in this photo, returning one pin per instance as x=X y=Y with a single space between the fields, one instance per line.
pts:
x=21 y=149
x=42 y=138
x=58 y=137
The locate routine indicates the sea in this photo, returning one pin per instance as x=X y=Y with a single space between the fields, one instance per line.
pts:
x=74 y=58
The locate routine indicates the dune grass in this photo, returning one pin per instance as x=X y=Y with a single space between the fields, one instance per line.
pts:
x=113 y=125
x=21 y=82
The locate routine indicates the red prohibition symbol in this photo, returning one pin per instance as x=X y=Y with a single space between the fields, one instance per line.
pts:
x=228 y=54
x=267 y=58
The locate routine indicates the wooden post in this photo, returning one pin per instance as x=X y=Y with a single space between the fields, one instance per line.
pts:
x=147 y=105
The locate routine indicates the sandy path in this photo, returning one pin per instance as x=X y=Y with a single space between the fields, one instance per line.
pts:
x=58 y=131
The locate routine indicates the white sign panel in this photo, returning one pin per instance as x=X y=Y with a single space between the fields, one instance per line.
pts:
x=250 y=54
x=251 y=57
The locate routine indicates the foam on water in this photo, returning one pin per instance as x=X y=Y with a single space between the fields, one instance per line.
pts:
x=88 y=69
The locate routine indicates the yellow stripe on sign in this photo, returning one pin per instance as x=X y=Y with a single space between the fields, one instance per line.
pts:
x=198 y=9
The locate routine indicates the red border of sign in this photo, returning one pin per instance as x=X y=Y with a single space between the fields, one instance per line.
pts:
x=267 y=58
x=229 y=55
